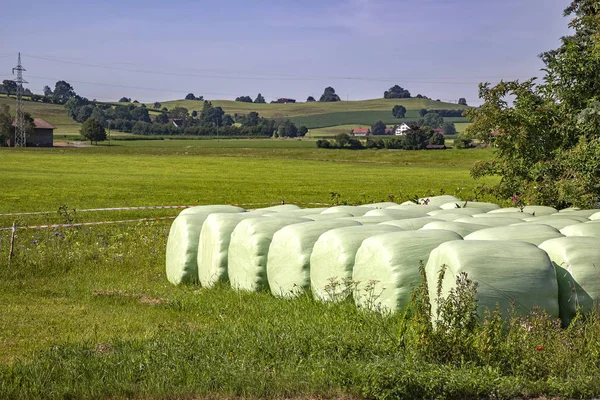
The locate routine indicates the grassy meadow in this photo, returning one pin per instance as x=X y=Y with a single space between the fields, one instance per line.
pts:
x=53 y=113
x=88 y=313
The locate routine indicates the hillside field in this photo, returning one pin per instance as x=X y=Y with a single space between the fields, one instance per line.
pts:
x=53 y=113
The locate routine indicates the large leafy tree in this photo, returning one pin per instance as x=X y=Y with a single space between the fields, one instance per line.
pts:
x=6 y=127
x=259 y=99
x=546 y=140
x=63 y=91
x=396 y=92
x=329 y=95
x=9 y=86
x=93 y=130
x=399 y=111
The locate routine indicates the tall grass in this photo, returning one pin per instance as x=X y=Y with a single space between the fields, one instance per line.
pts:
x=87 y=313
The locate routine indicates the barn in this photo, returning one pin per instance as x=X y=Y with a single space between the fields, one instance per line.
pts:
x=42 y=136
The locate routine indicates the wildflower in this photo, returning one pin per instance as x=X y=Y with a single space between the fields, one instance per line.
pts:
x=539 y=348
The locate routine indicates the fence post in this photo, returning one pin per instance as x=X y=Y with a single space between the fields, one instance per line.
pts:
x=12 y=243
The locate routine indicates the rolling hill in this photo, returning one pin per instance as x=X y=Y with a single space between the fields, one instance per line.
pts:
x=312 y=115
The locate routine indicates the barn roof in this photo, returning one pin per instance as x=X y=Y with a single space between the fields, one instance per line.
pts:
x=40 y=124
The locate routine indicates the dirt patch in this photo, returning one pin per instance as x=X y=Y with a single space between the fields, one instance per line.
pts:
x=102 y=349
x=142 y=298
x=71 y=144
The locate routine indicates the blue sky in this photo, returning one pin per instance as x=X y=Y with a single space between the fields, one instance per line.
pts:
x=156 y=50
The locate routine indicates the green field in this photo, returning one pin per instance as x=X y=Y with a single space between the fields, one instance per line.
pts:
x=53 y=113
x=88 y=313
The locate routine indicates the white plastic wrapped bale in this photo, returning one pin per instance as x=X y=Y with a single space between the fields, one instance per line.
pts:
x=577 y=213
x=557 y=223
x=398 y=214
x=323 y=217
x=386 y=268
x=384 y=204
x=438 y=200
x=594 y=217
x=507 y=272
x=212 y=209
x=356 y=211
x=462 y=228
x=296 y=213
x=371 y=220
x=516 y=214
x=281 y=208
x=481 y=206
x=213 y=246
x=462 y=211
x=332 y=259
x=576 y=260
x=554 y=217
x=591 y=228
x=182 y=248
x=535 y=234
x=288 y=261
x=413 y=206
x=451 y=216
x=490 y=222
x=533 y=210
x=411 y=224
x=248 y=251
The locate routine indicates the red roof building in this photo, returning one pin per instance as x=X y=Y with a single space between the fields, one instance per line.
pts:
x=361 y=131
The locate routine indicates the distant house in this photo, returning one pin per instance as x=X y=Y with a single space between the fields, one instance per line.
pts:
x=389 y=131
x=402 y=129
x=283 y=101
x=42 y=136
x=361 y=131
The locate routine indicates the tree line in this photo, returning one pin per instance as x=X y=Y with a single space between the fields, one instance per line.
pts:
x=418 y=138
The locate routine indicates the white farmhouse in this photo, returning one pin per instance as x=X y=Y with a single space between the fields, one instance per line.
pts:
x=402 y=129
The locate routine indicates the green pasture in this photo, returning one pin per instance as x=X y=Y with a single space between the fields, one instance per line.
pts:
x=302 y=108
x=53 y=113
x=214 y=172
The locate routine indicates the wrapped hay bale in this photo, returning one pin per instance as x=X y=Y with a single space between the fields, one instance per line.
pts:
x=439 y=200
x=577 y=213
x=591 y=228
x=281 y=208
x=398 y=214
x=248 y=251
x=332 y=259
x=212 y=209
x=533 y=210
x=384 y=204
x=481 y=206
x=182 y=248
x=451 y=216
x=462 y=228
x=288 y=261
x=507 y=273
x=356 y=211
x=462 y=211
x=535 y=234
x=323 y=217
x=557 y=223
x=576 y=260
x=370 y=220
x=490 y=222
x=386 y=268
x=594 y=217
x=414 y=206
x=213 y=246
x=516 y=215
x=411 y=224
x=555 y=217
x=296 y=213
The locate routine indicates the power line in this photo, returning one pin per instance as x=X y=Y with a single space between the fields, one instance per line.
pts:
x=271 y=78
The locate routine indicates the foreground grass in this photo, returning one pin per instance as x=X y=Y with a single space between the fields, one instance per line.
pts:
x=88 y=313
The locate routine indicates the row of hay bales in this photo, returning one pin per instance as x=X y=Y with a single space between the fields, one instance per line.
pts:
x=534 y=257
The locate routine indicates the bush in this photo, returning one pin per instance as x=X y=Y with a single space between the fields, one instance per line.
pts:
x=323 y=144
x=461 y=142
